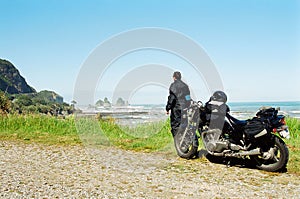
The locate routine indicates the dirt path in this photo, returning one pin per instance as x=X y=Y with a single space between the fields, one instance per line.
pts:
x=38 y=171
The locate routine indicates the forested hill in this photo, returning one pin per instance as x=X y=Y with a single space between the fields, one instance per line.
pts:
x=11 y=81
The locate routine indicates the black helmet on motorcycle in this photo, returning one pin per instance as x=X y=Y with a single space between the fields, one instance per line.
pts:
x=219 y=96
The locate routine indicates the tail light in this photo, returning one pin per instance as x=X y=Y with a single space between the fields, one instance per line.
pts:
x=282 y=121
x=280 y=127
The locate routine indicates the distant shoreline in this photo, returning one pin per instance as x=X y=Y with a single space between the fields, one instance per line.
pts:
x=139 y=113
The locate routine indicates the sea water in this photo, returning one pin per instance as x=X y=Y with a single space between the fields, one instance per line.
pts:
x=146 y=113
x=246 y=110
x=240 y=110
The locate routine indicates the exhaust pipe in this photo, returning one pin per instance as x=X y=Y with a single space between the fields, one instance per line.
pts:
x=218 y=154
x=237 y=155
x=245 y=153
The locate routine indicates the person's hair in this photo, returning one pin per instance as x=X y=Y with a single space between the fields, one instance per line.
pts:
x=177 y=75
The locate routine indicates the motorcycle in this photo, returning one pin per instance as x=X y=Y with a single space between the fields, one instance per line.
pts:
x=258 y=139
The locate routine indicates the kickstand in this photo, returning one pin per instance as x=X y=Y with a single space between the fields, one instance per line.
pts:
x=228 y=164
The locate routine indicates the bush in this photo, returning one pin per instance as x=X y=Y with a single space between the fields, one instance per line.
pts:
x=4 y=103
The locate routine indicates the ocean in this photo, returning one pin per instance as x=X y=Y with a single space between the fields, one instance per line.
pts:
x=240 y=110
x=246 y=110
x=144 y=113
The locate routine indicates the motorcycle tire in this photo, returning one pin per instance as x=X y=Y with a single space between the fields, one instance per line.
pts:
x=188 y=152
x=279 y=161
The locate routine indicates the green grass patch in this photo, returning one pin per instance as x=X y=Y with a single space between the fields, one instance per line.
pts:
x=39 y=128
x=144 y=137
x=88 y=131
x=294 y=145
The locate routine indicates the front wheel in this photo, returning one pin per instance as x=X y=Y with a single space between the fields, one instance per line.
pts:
x=275 y=159
x=186 y=148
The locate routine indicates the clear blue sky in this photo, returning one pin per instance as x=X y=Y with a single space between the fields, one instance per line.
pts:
x=255 y=44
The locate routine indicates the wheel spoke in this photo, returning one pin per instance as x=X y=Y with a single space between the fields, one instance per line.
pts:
x=276 y=159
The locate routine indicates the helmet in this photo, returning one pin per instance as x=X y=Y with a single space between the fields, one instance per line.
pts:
x=219 y=96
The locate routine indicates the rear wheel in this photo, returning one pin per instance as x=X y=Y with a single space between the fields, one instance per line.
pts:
x=275 y=159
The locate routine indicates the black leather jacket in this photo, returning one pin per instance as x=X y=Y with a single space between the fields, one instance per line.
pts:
x=179 y=95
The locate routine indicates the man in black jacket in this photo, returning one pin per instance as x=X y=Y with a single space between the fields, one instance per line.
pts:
x=179 y=98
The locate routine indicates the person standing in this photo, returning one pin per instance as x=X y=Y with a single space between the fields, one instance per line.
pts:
x=179 y=98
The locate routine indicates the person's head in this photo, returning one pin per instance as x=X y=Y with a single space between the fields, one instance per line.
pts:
x=177 y=75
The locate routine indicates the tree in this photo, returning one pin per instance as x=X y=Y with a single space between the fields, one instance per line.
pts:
x=4 y=103
x=23 y=100
x=31 y=109
x=43 y=109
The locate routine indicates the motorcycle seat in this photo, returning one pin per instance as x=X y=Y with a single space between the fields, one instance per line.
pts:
x=235 y=121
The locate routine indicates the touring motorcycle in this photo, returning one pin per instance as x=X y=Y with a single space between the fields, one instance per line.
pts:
x=258 y=139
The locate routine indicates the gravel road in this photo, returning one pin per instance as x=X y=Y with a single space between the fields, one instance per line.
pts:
x=39 y=171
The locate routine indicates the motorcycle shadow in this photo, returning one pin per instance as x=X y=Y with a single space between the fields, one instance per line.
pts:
x=230 y=161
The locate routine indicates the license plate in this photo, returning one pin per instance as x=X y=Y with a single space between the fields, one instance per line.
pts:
x=285 y=133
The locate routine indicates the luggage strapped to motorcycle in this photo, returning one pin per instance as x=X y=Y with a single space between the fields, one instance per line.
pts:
x=253 y=127
x=266 y=112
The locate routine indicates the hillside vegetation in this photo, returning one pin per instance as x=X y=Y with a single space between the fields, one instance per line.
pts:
x=11 y=81
x=17 y=97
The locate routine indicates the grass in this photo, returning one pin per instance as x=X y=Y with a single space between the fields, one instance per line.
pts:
x=294 y=145
x=80 y=131
x=72 y=131
x=38 y=128
x=147 y=137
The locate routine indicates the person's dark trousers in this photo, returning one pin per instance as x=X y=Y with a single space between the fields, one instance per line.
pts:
x=175 y=121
